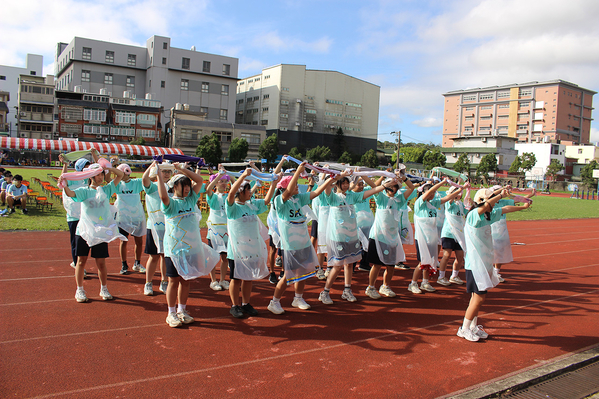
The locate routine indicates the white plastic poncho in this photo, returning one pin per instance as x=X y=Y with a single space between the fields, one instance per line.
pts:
x=479 y=252
x=97 y=224
x=502 y=249
x=182 y=240
x=323 y=222
x=343 y=245
x=385 y=231
x=248 y=248
x=156 y=222
x=456 y=224
x=299 y=258
x=406 y=232
x=72 y=207
x=365 y=220
x=217 y=222
x=130 y=212
x=273 y=227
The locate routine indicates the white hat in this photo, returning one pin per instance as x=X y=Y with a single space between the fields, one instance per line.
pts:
x=482 y=195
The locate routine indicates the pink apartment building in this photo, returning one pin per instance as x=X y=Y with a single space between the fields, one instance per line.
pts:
x=552 y=111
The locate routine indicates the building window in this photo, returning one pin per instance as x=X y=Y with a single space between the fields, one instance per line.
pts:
x=131 y=59
x=353 y=105
x=504 y=105
x=204 y=110
x=223 y=114
x=2 y=77
x=163 y=60
x=130 y=81
x=266 y=96
x=224 y=90
x=471 y=97
x=185 y=63
x=503 y=94
x=525 y=92
x=184 y=84
x=264 y=122
x=226 y=69
x=486 y=107
x=162 y=84
x=486 y=96
x=206 y=66
x=85 y=76
x=205 y=87
x=109 y=57
x=164 y=45
x=265 y=109
x=284 y=115
x=107 y=78
x=310 y=111
x=284 y=102
x=87 y=53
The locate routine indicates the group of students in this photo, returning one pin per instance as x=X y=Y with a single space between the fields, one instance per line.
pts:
x=344 y=231
x=13 y=192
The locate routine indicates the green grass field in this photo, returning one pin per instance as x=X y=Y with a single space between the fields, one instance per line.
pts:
x=544 y=207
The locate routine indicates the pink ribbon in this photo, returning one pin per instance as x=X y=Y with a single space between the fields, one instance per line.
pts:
x=91 y=171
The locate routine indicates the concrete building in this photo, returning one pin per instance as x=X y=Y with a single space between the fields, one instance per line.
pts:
x=306 y=107
x=583 y=154
x=186 y=128
x=544 y=153
x=530 y=112
x=9 y=82
x=171 y=75
x=4 y=111
x=36 y=107
x=100 y=117
x=477 y=147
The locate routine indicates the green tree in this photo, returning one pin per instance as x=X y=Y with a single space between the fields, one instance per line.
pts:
x=295 y=153
x=587 y=175
x=319 y=154
x=462 y=164
x=269 y=149
x=516 y=166
x=413 y=154
x=554 y=168
x=369 y=159
x=433 y=158
x=528 y=160
x=346 y=157
x=487 y=164
x=338 y=144
x=209 y=149
x=238 y=149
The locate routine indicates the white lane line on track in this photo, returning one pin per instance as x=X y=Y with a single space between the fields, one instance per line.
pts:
x=304 y=352
x=562 y=241
x=557 y=253
x=66 y=276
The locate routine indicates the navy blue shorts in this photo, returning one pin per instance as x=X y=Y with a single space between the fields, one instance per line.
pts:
x=272 y=245
x=417 y=251
x=450 y=243
x=171 y=270
x=98 y=251
x=150 y=248
x=471 y=286
x=314 y=230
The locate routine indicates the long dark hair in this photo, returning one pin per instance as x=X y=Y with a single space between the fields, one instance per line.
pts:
x=184 y=181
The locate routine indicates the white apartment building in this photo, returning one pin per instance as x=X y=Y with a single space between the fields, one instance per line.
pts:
x=36 y=107
x=9 y=82
x=582 y=153
x=544 y=153
x=306 y=107
x=170 y=75
x=476 y=148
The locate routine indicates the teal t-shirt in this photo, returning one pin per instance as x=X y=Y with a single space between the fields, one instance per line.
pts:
x=237 y=211
x=504 y=202
x=475 y=220
x=453 y=208
x=176 y=227
x=424 y=210
x=382 y=201
x=350 y=198
x=73 y=185
x=291 y=210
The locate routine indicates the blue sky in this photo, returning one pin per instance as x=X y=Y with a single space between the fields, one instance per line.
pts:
x=414 y=50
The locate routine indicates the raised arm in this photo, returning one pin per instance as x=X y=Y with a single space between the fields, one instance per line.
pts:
x=490 y=203
x=95 y=155
x=162 y=192
x=280 y=165
x=119 y=175
x=532 y=194
x=65 y=163
x=146 y=176
x=293 y=183
x=236 y=185
x=410 y=188
x=430 y=193
x=195 y=177
x=371 y=183
x=271 y=190
x=210 y=187
x=451 y=196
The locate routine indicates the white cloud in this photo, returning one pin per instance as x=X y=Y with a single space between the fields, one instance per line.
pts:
x=274 y=41
x=594 y=135
x=251 y=66
x=429 y=121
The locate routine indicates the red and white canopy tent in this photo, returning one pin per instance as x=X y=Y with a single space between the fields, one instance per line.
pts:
x=71 y=145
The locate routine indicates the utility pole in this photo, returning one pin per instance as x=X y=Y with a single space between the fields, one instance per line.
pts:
x=398 y=133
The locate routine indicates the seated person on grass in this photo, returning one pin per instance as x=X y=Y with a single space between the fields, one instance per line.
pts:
x=16 y=194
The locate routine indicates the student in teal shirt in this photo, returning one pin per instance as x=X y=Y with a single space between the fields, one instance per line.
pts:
x=480 y=275
x=246 y=249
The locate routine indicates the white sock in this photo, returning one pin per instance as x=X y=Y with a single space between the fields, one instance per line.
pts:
x=243 y=304
x=275 y=300
x=424 y=281
x=414 y=282
x=441 y=273
x=454 y=273
x=467 y=323
x=79 y=288
x=103 y=287
x=298 y=295
x=473 y=325
x=497 y=270
x=172 y=310
x=371 y=286
x=181 y=307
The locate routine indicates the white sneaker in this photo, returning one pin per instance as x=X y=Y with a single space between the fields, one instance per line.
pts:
x=279 y=262
x=275 y=307
x=456 y=280
x=443 y=281
x=184 y=317
x=148 y=290
x=216 y=286
x=73 y=265
x=427 y=287
x=478 y=331
x=413 y=288
x=172 y=320
x=80 y=296
x=387 y=291
x=320 y=274
x=467 y=334
x=105 y=294
x=501 y=279
x=224 y=284
x=325 y=298
x=300 y=303
x=371 y=292
x=163 y=286
x=139 y=268
x=348 y=296
x=326 y=272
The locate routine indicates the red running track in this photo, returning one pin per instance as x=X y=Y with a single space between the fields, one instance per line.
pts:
x=404 y=347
